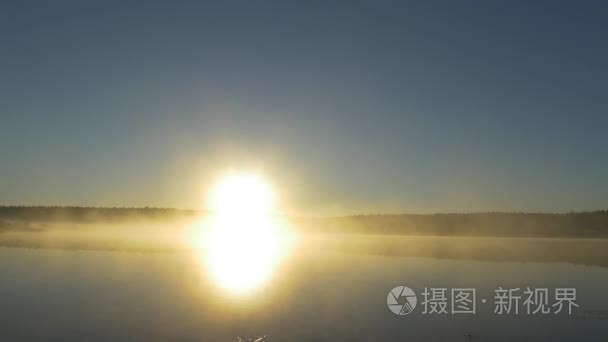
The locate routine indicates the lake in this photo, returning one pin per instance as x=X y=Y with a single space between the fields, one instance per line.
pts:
x=319 y=292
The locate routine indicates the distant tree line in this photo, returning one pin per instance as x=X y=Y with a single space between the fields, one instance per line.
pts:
x=89 y=214
x=575 y=224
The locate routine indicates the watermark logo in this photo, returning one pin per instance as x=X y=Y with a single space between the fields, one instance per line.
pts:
x=401 y=300
x=507 y=301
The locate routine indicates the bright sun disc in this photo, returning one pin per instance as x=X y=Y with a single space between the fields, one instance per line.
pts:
x=242 y=194
x=242 y=241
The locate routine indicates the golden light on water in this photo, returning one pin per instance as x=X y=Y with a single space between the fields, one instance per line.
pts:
x=243 y=241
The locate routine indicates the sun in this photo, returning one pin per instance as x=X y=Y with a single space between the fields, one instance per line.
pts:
x=242 y=194
x=243 y=240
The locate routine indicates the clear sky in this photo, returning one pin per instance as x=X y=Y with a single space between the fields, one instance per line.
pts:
x=427 y=106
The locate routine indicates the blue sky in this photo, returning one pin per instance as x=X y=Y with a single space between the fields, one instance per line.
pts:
x=427 y=106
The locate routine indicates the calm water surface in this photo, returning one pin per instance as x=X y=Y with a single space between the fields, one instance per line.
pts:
x=315 y=296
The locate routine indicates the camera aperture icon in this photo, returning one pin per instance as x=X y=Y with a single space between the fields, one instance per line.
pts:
x=401 y=300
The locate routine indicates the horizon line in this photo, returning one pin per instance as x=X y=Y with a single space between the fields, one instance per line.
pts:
x=4 y=206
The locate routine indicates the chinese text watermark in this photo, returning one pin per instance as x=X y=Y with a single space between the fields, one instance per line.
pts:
x=402 y=300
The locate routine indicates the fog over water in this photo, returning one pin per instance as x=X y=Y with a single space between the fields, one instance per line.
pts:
x=145 y=281
x=313 y=296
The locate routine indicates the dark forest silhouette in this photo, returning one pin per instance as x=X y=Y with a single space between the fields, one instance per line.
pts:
x=575 y=224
